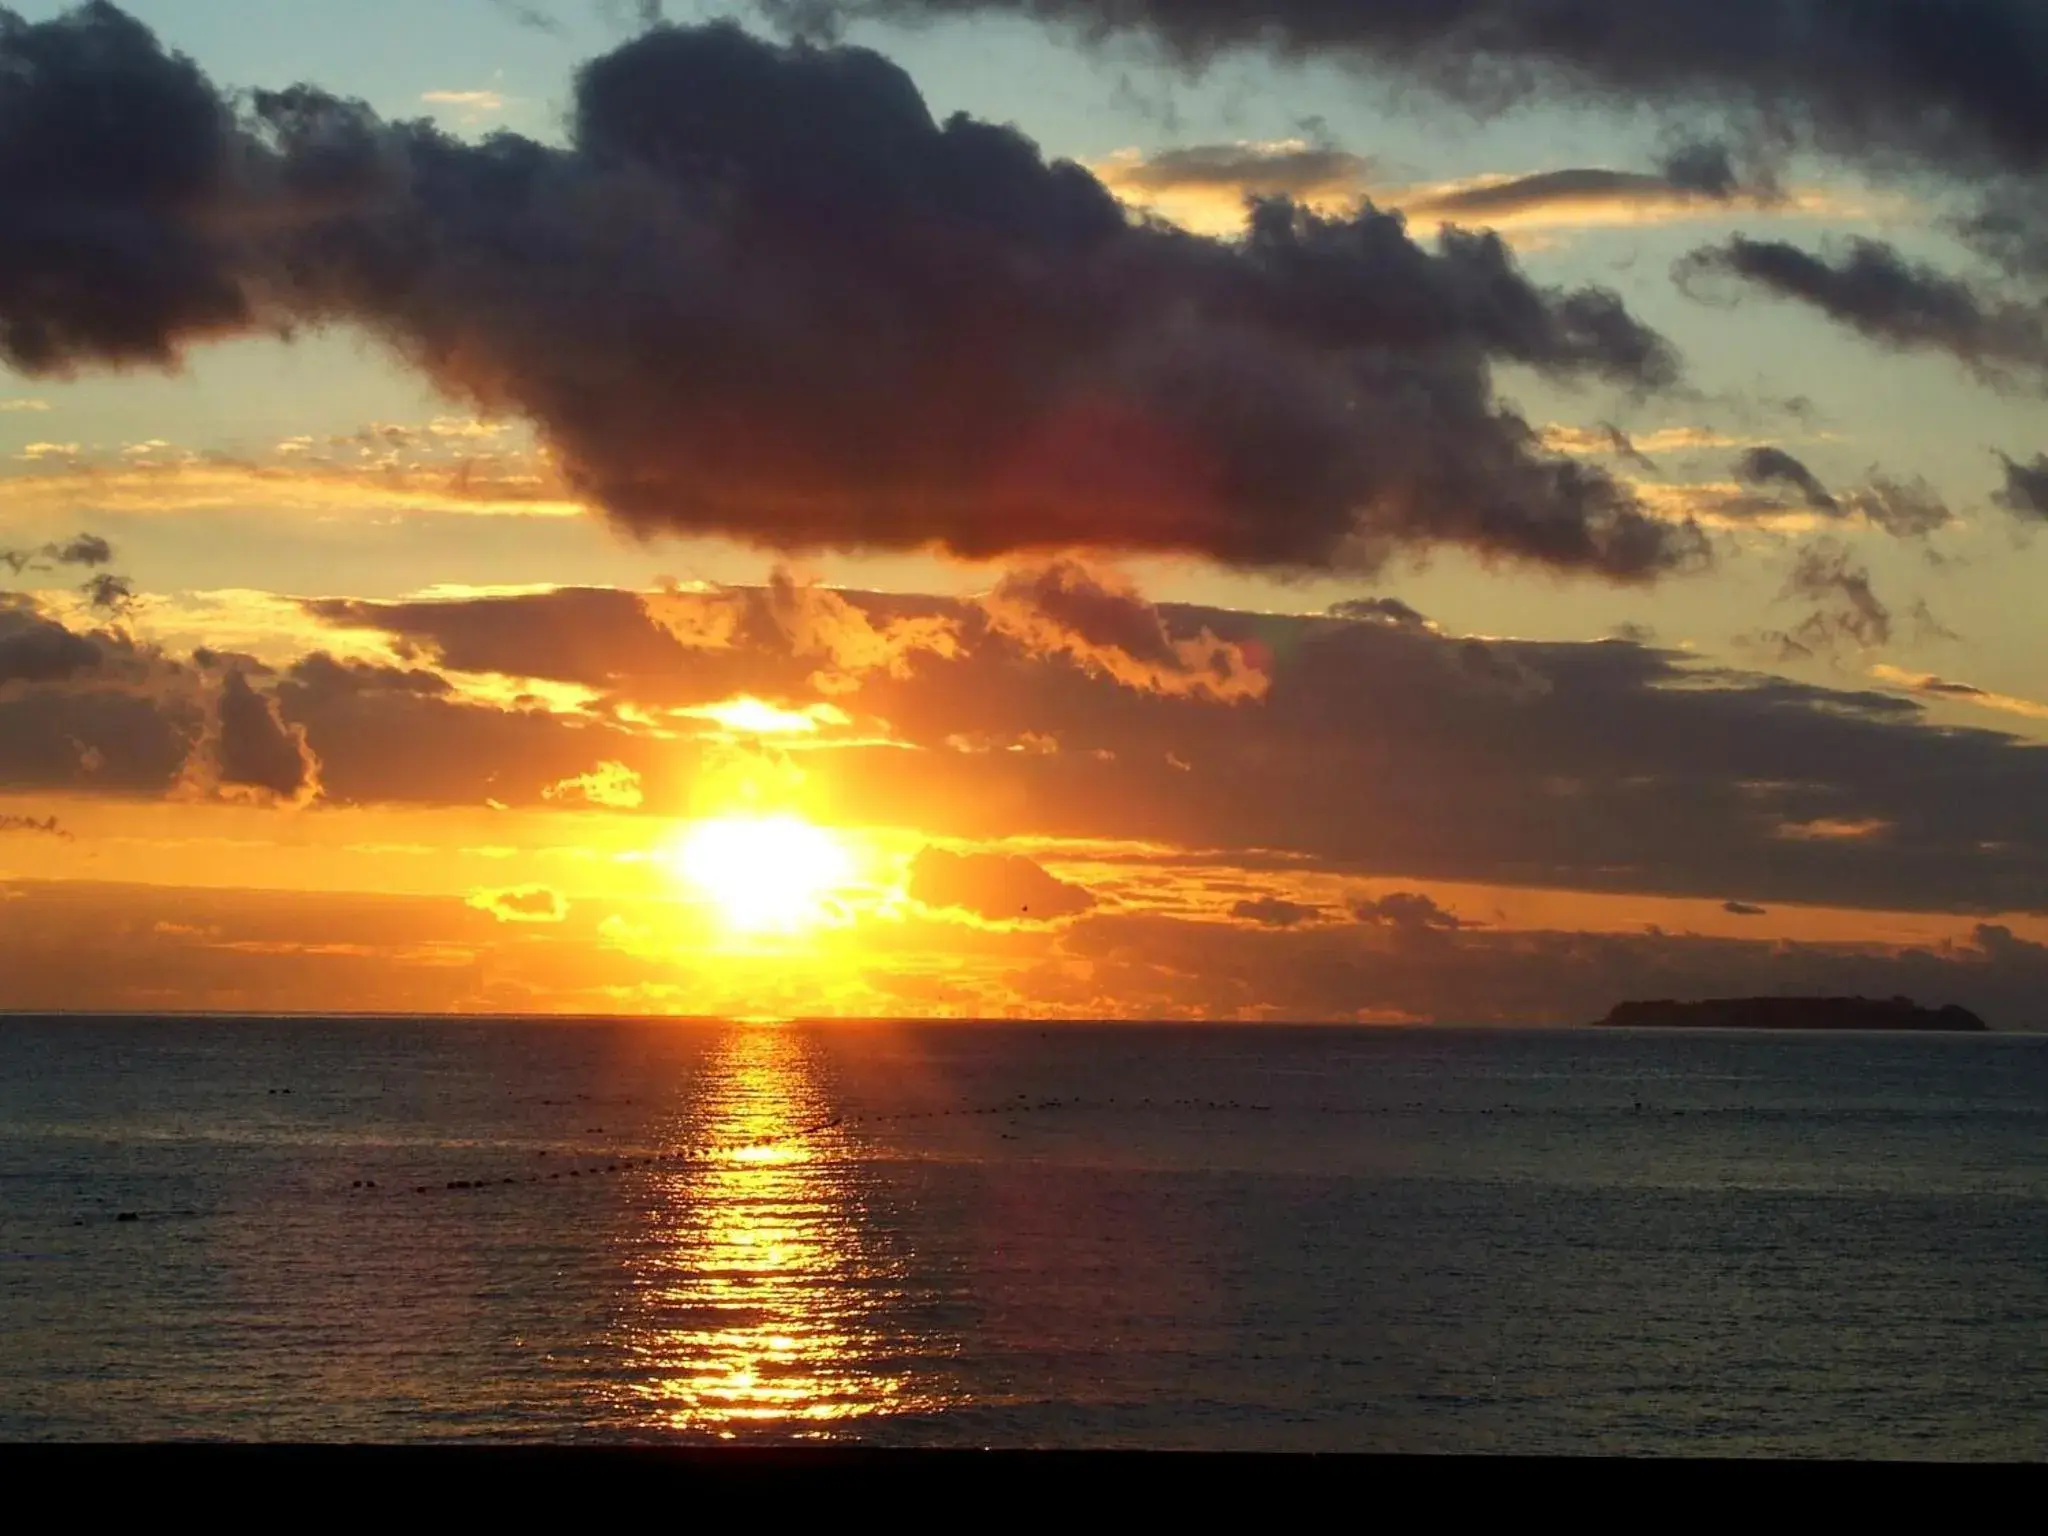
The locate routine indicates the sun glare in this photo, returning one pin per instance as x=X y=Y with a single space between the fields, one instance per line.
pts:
x=763 y=873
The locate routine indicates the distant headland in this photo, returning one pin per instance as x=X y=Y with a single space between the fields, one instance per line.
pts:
x=1792 y=1013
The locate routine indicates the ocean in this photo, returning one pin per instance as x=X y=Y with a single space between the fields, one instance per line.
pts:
x=1214 y=1238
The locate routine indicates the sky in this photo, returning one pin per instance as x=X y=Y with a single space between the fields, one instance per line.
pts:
x=1021 y=507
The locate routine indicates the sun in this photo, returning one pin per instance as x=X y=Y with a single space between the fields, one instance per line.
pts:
x=765 y=874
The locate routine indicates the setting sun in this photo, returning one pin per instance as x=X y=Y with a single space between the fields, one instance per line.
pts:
x=763 y=873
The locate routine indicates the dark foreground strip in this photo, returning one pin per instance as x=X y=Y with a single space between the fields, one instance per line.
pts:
x=921 y=1488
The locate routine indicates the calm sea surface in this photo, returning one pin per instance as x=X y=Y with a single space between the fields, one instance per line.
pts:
x=1253 y=1238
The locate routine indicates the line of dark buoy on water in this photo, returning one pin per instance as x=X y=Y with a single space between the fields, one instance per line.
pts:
x=640 y=1163
x=649 y=1161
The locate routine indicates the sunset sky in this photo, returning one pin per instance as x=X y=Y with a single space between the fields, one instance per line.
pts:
x=1434 y=515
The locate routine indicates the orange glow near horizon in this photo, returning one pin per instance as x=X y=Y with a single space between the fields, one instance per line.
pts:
x=763 y=874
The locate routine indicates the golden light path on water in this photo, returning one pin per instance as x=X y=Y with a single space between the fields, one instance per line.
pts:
x=766 y=1306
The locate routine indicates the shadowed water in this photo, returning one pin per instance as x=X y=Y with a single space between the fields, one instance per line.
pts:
x=1251 y=1238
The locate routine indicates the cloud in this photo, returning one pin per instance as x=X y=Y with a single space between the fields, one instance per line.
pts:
x=482 y=486
x=1905 y=509
x=247 y=751
x=1609 y=439
x=87 y=549
x=1380 y=752
x=522 y=904
x=1207 y=187
x=282 y=950
x=1927 y=684
x=1100 y=623
x=1408 y=911
x=48 y=826
x=611 y=785
x=1881 y=83
x=17 y=403
x=1379 y=610
x=1704 y=185
x=1900 y=304
x=475 y=101
x=533 y=17
x=1847 y=608
x=36 y=649
x=2025 y=493
x=1286 y=168
x=818 y=623
x=1829 y=829
x=1774 y=466
x=1942 y=99
x=1384 y=749
x=1274 y=912
x=998 y=887
x=902 y=333
x=1744 y=909
x=1148 y=965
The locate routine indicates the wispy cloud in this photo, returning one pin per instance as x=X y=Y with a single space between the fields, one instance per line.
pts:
x=469 y=103
x=20 y=403
x=1929 y=686
x=200 y=484
x=1587 y=198
x=1204 y=187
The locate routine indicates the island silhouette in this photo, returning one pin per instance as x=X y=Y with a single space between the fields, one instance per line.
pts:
x=1791 y=1013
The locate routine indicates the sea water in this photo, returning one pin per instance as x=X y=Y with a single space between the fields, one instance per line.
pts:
x=1569 y=1241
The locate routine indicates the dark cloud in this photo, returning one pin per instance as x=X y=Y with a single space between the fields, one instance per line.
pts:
x=997 y=886
x=37 y=649
x=1847 y=609
x=1708 y=169
x=249 y=746
x=87 y=549
x=1407 y=910
x=48 y=826
x=1944 y=688
x=2025 y=493
x=1623 y=447
x=320 y=672
x=1379 y=610
x=1380 y=749
x=1774 y=466
x=1897 y=303
x=1274 y=912
x=764 y=293
x=114 y=594
x=1957 y=84
x=1744 y=909
x=103 y=590
x=1945 y=96
x=1701 y=178
x=113 y=157
x=88 y=710
x=523 y=904
x=1103 y=625
x=1906 y=509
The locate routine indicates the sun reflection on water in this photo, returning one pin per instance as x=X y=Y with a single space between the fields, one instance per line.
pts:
x=766 y=1308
